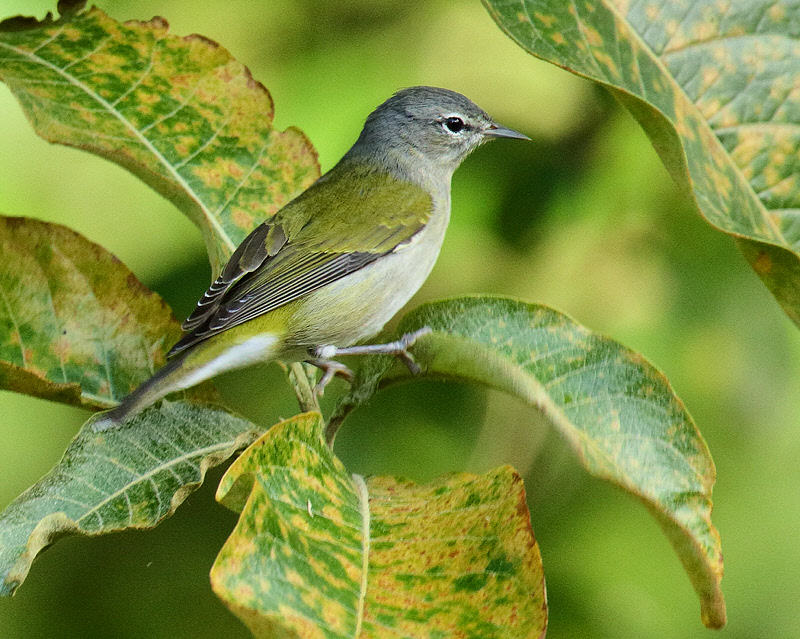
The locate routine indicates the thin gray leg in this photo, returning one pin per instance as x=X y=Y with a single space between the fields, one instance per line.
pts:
x=330 y=368
x=323 y=356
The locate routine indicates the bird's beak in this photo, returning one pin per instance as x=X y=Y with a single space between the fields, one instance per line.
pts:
x=497 y=131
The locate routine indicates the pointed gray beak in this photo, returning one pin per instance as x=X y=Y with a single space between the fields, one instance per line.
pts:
x=497 y=131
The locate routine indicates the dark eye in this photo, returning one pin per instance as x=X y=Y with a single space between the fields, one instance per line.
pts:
x=454 y=124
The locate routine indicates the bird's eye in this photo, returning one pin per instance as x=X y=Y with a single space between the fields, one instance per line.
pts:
x=454 y=124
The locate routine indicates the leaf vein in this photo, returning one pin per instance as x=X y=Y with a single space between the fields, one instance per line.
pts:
x=14 y=321
x=141 y=78
x=213 y=222
x=86 y=55
x=165 y=466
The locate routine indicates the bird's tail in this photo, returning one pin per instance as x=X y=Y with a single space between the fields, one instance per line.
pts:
x=190 y=367
x=166 y=380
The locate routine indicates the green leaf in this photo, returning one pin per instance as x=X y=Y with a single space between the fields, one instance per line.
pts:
x=617 y=412
x=320 y=553
x=714 y=86
x=180 y=113
x=131 y=477
x=76 y=325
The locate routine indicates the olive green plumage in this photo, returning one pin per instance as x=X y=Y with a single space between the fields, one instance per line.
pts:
x=335 y=264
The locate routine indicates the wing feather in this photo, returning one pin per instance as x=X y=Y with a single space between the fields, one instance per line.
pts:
x=265 y=241
x=321 y=236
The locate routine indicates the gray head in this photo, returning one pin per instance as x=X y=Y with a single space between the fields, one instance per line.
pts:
x=427 y=129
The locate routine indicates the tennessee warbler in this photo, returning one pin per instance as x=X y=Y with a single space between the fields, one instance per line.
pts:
x=336 y=263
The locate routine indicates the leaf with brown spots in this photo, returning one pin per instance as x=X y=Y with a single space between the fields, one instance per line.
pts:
x=616 y=411
x=76 y=326
x=131 y=477
x=714 y=84
x=319 y=553
x=180 y=113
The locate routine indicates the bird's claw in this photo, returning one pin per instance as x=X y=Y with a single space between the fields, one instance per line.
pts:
x=406 y=342
x=323 y=357
x=330 y=369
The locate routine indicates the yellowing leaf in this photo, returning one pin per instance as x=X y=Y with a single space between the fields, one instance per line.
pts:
x=714 y=86
x=320 y=553
x=617 y=412
x=180 y=113
x=75 y=324
x=130 y=477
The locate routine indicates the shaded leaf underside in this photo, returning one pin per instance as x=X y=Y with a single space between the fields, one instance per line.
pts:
x=132 y=477
x=714 y=84
x=616 y=411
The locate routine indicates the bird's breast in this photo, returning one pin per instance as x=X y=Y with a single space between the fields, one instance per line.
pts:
x=357 y=306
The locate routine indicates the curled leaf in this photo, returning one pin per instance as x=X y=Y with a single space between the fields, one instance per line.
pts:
x=320 y=553
x=616 y=411
x=713 y=86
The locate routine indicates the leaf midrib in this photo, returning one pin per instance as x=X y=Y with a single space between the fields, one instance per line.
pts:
x=35 y=59
x=363 y=503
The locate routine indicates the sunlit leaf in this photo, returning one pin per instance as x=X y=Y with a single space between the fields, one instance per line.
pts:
x=617 y=412
x=321 y=553
x=76 y=325
x=130 y=477
x=180 y=113
x=714 y=86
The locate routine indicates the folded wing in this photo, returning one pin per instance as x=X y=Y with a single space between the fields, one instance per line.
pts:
x=328 y=232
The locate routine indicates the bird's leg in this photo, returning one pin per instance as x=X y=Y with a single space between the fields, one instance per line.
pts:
x=398 y=348
x=330 y=368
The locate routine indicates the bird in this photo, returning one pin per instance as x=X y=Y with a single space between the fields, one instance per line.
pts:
x=336 y=263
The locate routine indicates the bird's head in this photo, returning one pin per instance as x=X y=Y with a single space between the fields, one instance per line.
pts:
x=436 y=126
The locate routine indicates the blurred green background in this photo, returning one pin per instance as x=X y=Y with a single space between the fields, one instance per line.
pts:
x=584 y=219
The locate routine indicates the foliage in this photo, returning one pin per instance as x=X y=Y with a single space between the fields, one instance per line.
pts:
x=152 y=102
x=182 y=115
x=127 y=478
x=319 y=550
x=78 y=326
x=711 y=90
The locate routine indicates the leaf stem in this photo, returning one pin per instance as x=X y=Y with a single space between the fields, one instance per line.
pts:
x=335 y=422
x=301 y=377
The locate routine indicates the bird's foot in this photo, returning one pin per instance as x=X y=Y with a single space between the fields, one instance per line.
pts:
x=323 y=356
x=330 y=368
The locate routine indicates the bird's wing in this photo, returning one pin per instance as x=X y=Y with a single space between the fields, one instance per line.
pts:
x=329 y=231
x=264 y=242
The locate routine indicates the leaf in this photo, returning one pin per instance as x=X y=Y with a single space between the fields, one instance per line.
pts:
x=320 y=553
x=76 y=326
x=714 y=86
x=180 y=113
x=130 y=477
x=617 y=412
